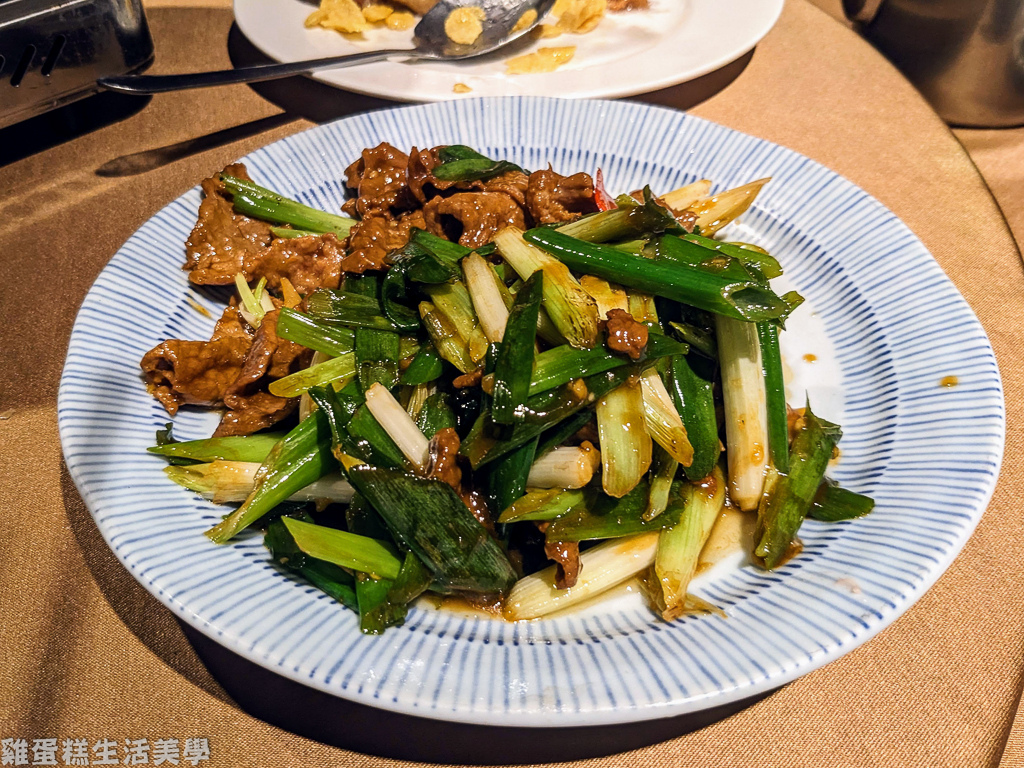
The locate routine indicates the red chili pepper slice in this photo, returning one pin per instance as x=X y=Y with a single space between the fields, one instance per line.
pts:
x=605 y=202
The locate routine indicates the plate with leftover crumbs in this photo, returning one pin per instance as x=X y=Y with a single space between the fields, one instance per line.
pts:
x=598 y=52
x=883 y=345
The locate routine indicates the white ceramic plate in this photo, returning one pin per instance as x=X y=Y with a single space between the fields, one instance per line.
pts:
x=628 y=53
x=883 y=320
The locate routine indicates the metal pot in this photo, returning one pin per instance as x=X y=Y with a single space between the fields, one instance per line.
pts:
x=965 y=56
x=53 y=51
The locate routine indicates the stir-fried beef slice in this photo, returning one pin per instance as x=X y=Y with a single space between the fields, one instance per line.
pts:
x=308 y=262
x=625 y=334
x=231 y=325
x=379 y=178
x=512 y=183
x=181 y=372
x=250 y=408
x=566 y=555
x=442 y=464
x=423 y=185
x=472 y=218
x=247 y=414
x=372 y=239
x=552 y=198
x=223 y=242
x=270 y=356
x=474 y=501
x=442 y=455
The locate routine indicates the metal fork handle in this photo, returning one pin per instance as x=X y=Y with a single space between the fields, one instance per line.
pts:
x=147 y=84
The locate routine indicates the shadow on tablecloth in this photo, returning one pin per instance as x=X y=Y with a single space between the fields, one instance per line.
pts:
x=143 y=614
x=341 y=723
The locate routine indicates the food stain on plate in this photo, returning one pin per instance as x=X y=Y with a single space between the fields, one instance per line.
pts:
x=850 y=584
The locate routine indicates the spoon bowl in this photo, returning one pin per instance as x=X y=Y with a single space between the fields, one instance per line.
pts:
x=498 y=26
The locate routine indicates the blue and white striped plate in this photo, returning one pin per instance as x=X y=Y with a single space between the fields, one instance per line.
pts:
x=884 y=322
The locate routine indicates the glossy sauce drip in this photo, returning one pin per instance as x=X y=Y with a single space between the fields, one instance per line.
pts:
x=484 y=609
x=810 y=358
x=949 y=382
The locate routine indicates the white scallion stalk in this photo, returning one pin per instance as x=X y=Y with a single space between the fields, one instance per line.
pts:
x=607 y=296
x=263 y=297
x=571 y=308
x=225 y=482
x=602 y=567
x=663 y=473
x=621 y=418
x=445 y=336
x=545 y=327
x=400 y=427
x=625 y=442
x=453 y=301
x=663 y=421
x=679 y=547
x=642 y=308
x=250 y=308
x=716 y=211
x=565 y=467
x=746 y=418
x=334 y=370
x=487 y=300
x=682 y=198
x=418 y=397
x=306 y=404
x=694 y=604
x=547 y=330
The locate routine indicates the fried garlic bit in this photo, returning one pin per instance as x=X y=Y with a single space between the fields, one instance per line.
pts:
x=340 y=15
x=377 y=12
x=525 y=20
x=400 y=20
x=464 y=25
x=541 y=60
x=574 y=16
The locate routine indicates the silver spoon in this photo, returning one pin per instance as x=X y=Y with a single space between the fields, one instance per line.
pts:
x=431 y=42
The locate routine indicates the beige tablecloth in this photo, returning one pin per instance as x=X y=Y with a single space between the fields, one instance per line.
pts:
x=87 y=653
